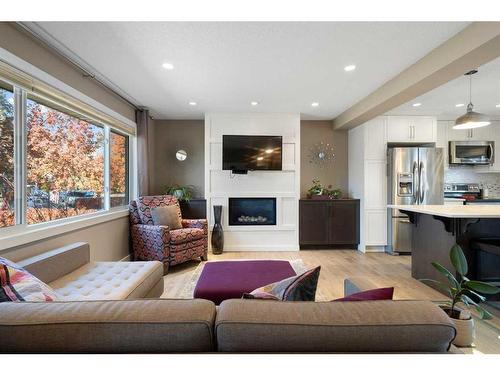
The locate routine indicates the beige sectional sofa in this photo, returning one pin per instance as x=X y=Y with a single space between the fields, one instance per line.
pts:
x=187 y=326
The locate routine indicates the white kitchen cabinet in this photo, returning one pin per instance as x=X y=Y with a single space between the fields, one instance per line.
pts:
x=479 y=134
x=375 y=227
x=375 y=143
x=367 y=180
x=376 y=183
x=399 y=129
x=491 y=133
x=411 y=129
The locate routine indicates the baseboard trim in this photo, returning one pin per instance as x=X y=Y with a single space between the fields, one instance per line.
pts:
x=374 y=249
x=261 y=248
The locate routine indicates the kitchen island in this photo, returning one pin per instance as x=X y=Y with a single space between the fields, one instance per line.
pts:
x=436 y=228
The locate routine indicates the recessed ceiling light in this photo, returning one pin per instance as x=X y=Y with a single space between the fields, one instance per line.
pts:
x=314 y=104
x=349 y=68
x=269 y=151
x=459 y=105
x=192 y=103
x=254 y=103
x=260 y=158
x=498 y=106
x=416 y=104
x=168 y=66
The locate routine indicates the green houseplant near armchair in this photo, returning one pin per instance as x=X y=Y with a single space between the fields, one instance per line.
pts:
x=463 y=292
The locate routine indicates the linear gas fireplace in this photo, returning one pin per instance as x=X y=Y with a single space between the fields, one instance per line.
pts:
x=252 y=211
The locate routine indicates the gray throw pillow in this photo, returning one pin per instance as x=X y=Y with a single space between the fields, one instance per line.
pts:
x=167 y=215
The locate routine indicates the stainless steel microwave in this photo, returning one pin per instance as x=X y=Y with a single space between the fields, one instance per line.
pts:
x=472 y=152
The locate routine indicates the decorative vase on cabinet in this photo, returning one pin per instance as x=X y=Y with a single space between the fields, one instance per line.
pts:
x=217 y=232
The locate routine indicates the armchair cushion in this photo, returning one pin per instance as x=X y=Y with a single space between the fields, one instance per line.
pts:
x=167 y=215
x=150 y=242
x=144 y=205
x=178 y=236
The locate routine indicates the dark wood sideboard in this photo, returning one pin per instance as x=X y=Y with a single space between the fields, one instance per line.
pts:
x=328 y=223
x=194 y=209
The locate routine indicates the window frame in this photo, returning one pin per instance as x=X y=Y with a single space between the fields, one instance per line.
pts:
x=128 y=164
x=21 y=232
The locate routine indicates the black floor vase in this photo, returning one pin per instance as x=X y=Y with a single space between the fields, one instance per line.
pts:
x=217 y=232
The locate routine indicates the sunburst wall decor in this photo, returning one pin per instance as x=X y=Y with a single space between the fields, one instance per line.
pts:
x=321 y=154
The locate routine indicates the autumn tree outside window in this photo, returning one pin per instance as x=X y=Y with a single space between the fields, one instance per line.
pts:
x=6 y=156
x=65 y=170
x=118 y=169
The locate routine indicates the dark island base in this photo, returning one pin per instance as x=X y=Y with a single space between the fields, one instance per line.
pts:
x=433 y=236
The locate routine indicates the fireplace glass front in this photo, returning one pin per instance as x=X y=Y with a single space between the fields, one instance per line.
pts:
x=252 y=211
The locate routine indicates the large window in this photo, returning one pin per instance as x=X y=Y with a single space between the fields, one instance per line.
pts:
x=118 y=169
x=6 y=156
x=58 y=159
x=64 y=164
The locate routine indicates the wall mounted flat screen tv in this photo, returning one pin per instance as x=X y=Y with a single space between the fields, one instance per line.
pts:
x=242 y=153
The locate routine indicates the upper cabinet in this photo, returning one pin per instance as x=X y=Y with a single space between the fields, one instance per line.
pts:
x=375 y=143
x=479 y=134
x=411 y=129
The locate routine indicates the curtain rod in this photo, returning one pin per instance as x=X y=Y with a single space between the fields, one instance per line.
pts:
x=86 y=72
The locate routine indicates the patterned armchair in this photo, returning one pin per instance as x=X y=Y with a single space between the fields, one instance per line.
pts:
x=158 y=242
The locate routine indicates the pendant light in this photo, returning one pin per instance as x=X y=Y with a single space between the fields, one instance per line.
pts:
x=471 y=119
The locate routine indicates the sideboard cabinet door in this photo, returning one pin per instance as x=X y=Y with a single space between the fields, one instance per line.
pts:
x=314 y=223
x=344 y=218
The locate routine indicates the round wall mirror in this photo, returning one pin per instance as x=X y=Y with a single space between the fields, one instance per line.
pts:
x=181 y=155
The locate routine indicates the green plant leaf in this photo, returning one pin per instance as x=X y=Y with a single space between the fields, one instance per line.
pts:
x=476 y=294
x=458 y=259
x=446 y=273
x=483 y=314
x=482 y=287
x=464 y=301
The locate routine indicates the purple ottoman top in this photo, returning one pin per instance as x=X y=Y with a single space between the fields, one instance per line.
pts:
x=230 y=279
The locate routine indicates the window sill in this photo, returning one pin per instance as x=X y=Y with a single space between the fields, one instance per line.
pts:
x=26 y=235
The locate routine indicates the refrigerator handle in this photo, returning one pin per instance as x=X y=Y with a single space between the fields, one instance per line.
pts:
x=416 y=183
x=420 y=182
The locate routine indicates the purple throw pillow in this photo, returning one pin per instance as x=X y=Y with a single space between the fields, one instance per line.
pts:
x=379 y=294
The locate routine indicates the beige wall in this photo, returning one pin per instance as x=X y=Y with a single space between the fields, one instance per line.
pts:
x=170 y=136
x=108 y=241
x=23 y=45
x=335 y=173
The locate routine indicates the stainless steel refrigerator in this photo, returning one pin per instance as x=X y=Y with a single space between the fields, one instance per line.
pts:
x=415 y=176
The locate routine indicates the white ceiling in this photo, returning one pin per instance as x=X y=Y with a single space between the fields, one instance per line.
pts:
x=284 y=66
x=441 y=101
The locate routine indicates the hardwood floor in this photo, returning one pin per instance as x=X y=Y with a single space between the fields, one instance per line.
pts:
x=337 y=265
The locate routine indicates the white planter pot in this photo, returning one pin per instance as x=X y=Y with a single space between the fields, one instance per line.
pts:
x=465 y=332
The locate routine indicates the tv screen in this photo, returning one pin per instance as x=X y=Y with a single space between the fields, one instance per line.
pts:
x=251 y=152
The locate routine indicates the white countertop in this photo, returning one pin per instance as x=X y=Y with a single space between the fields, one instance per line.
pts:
x=466 y=211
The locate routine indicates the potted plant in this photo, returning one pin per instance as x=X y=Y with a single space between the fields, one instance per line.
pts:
x=333 y=193
x=317 y=191
x=464 y=294
x=182 y=193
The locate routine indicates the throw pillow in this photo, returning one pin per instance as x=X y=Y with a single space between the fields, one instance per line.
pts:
x=167 y=215
x=369 y=295
x=17 y=284
x=295 y=288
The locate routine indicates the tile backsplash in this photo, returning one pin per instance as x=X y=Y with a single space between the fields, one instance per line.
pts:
x=469 y=175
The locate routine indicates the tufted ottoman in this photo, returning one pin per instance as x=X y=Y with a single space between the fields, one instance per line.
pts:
x=109 y=281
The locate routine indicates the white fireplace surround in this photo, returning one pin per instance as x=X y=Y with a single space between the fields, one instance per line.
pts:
x=283 y=185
